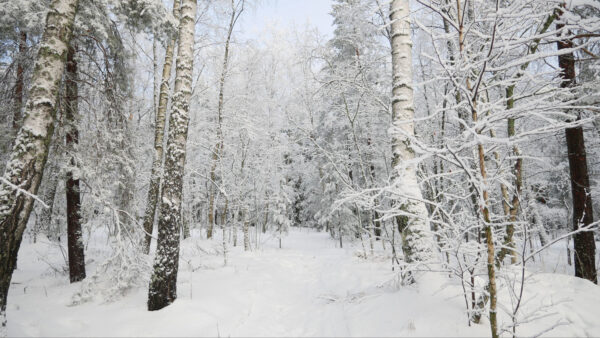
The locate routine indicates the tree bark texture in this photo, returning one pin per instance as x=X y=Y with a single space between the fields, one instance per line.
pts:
x=17 y=113
x=30 y=151
x=159 y=131
x=74 y=234
x=163 y=284
x=583 y=242
x=417 y=244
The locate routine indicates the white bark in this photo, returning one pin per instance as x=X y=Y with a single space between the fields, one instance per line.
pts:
x=157 y=163
x=417 y=241
x=163 y=285
x=29 y=154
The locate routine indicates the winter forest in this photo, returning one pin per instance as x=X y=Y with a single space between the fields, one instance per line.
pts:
x=426 y=168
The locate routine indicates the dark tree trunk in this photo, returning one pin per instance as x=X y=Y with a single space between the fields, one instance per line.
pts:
x=17 y=114
x=584 y=244
x=377 y=223
x=74 y=235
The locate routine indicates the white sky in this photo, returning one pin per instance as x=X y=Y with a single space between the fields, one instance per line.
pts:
x=287 y=13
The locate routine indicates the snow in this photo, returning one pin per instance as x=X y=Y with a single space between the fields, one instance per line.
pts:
x=308 y=288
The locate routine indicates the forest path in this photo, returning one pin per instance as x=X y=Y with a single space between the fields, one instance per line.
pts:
x=308 y=288
x=299 y=290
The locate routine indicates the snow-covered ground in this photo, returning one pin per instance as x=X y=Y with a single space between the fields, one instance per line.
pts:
x=308 y=288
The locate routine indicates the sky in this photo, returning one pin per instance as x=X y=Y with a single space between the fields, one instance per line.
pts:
x=287 y=13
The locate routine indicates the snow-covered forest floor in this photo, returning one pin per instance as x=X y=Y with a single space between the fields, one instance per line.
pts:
x=311 y=287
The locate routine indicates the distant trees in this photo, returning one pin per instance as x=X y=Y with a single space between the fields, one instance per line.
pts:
x=487 y=98
x=236 y=9
x=346 y=144
x=485 y=95
x=442 y=134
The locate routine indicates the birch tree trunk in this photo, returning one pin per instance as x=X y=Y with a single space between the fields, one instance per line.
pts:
x=17 y=113
x=155 y=175
x=163 y=284
x=416 y=241
x=74 y=234
x=30 y=151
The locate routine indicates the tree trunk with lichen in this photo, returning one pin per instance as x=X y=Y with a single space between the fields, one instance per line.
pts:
x=163 y=284
x=30 y=151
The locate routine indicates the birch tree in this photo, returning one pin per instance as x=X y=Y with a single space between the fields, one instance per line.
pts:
x=163 y=284
x=18 y=104
x=159 y=131
x=412 y=221
x=24 y=171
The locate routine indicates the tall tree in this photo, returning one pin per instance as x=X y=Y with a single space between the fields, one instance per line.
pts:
x=24 y=171
x=412 y=224
x=159 y=131
x=74 y=235
x=583 y=242
x=163 y=284
x=236 y=10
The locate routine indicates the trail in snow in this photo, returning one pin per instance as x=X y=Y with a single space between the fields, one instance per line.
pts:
x=308 y=288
